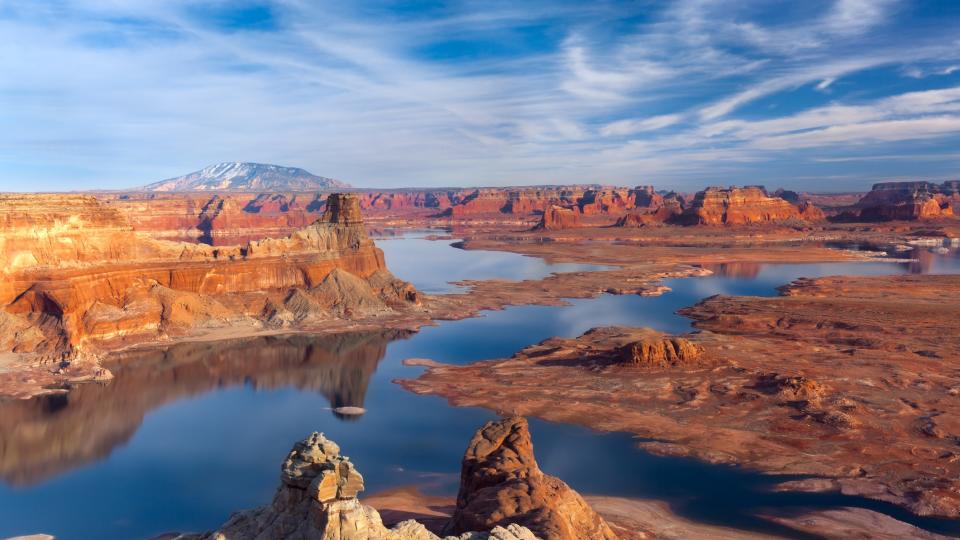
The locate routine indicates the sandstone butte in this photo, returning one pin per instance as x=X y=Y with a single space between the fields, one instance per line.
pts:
x=909 y=201
x=78 y=280
x=503 y=496
x=737 y=206
x=811 y=383
x=557 y=218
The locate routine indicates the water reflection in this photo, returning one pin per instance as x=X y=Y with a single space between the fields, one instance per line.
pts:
x=184 y=436
x=49 y=435
x=735 y=269
x=432 y=265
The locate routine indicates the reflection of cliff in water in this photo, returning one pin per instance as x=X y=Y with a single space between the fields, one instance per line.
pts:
x=747 y=270
x=48 y=435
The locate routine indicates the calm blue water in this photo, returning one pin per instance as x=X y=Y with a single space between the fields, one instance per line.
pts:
x=185 y=436
x=431 y=266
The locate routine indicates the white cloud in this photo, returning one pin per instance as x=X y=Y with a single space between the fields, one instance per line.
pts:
x=824 y=84
x=121 y=93
x=632 y=126
x=863 y=133
x=852 y=17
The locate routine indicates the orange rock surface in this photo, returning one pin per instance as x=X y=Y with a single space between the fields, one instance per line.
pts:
x=909 y=200
x=501 y=483
x=556 y=218
x=851 y=380
x=76 y=272
x=737 y=206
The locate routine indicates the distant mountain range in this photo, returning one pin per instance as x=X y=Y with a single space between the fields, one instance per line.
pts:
x=240 y=176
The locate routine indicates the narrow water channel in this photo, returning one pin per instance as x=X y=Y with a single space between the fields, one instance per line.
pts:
x=184 y=436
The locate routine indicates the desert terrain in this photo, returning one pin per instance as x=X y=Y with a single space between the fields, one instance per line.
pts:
x=842 y=384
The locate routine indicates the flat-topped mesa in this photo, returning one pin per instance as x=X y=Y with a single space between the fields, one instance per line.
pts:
x=738 y=206
x=75 y=271
x=479 y=202
x=659 y=352
x=644 y=197
x=909 y=201
x=501 y=483
x=557 y=218
x=606 y=201
x=527 y=201
x=317 y=499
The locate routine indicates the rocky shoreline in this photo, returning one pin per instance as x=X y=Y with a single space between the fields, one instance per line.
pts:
x=766 y=391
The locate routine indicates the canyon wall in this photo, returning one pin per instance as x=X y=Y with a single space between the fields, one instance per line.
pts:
x=77 y=276
x=909 y=201
x=230 y=218
x=741 y=206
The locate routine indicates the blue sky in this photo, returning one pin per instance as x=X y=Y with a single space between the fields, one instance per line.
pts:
x=821 y=95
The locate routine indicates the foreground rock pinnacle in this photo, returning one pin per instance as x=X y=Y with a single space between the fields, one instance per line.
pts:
x=501 y=483
x=317 y=500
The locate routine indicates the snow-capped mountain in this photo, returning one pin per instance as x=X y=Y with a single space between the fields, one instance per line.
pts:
x=238 y=176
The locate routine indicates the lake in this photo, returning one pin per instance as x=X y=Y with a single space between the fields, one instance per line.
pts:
x=186 y=435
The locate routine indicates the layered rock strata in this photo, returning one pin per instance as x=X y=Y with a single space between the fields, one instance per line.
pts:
x=77 y=278
x=909 y=201
x=556 y=218
x=741 y=206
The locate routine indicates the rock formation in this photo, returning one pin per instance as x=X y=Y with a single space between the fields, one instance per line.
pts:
x=738 y=206
x=77 y=277
x=501 y=483
x=556 y=218
x=667 y=211
x=851 y=380
x=608 y=201
x=317 y=500
x=809 y=212
x=909 y=201
x=659 y=353
x=230 y=217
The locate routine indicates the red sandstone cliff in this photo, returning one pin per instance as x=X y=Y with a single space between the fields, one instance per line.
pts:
x=557 y=218
x=77 y=278
x=909 y=201
x=741 y=206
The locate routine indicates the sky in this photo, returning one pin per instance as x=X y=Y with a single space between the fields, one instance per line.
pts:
x=820 y=95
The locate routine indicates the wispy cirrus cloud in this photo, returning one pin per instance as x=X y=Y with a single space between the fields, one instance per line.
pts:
x=113 y=94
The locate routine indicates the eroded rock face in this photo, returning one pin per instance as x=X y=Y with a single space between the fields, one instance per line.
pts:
x=557 y=218
x=501 y=483
x=317 y=500
x=738 y=206
x=659 y=353
x=909 y=201
x=76 y=277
